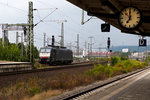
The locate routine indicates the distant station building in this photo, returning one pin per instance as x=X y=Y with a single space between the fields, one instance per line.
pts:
x=125 y=50
x=85 y=54
x=80 y=55
x=100 y=54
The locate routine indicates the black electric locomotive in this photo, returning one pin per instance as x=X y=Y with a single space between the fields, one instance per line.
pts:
x=55 y=55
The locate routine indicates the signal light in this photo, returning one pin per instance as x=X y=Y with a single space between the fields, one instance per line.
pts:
x=44 y=57
x=25 y=30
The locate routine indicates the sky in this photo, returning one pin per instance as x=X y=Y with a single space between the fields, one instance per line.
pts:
x=16 y=11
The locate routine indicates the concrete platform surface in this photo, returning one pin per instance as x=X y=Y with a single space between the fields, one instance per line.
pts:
x=133 y=88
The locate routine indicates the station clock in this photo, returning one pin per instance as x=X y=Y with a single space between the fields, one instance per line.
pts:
x=130 y=18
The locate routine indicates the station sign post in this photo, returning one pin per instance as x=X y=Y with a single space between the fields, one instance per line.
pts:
x=105 y=27
x=142 y=42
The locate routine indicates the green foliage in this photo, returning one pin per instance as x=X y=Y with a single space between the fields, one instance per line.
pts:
x=117 y=67
x=100 y=69
x=36 y=52
x=147 y=60
x=12 y=52
x=102 y=59
x=34 y=85
x=114 y=60
x=124 y=58
x=34 y=90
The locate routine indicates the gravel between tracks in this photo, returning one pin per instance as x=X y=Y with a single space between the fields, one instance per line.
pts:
x=10 y=80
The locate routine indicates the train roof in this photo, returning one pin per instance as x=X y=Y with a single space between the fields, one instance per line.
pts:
x=55 y=47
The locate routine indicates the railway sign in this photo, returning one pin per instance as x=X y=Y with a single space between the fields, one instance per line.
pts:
x=105 y=27
x=142 y=42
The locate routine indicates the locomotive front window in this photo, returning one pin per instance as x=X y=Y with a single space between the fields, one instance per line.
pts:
x=47 y=50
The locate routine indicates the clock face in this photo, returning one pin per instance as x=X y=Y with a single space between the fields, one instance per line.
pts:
x=130 y=17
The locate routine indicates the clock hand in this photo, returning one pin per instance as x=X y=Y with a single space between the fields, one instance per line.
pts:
x=126 y=14
x=128 y=20
x=129 y=16
x=129 y=12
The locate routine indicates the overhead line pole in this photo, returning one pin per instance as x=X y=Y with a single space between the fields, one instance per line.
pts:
x=30 y=32
x=30 y=39
x=88 y=49
x=91 y=44
x=4 y=35
x=44 y=39
x=62 y=29
x=82 y=22
x=78 y=44
x=62 y=35
x=85 y=46
x=22 y=44
x=17 y=36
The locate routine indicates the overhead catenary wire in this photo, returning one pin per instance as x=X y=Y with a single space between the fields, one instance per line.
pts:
x=39 y=2
x=39 y=15
x=46 y=17
x=45 y=8
x=6 y=4
x=73 y=29
x=74 y=22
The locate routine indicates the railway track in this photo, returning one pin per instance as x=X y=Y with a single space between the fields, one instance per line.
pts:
x=14 y=66
x=82 y=94
x=46 y=69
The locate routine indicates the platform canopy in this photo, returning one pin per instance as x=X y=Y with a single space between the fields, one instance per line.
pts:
x=107 y=10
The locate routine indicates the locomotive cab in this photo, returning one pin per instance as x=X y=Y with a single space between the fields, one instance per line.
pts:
x=44 y=55
x=55 y=55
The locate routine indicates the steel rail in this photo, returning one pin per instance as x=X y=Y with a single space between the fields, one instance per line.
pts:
x=45 y=69
x=74 y=96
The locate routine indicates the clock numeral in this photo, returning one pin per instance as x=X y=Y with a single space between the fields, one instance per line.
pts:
x=137 y=21
x=138 y=17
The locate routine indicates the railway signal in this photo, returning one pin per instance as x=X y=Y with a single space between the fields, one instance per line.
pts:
x=53 y=40
x=108 y=43
x=25 y=31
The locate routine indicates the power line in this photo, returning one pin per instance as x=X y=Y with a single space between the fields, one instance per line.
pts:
x=41 y=2
x=73 y=22
x=45 y=8
x=38 y=14
x=81 y=29
x=12 y=7
x=46 y=17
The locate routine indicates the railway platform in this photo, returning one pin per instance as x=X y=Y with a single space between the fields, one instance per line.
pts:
x=6 y=66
